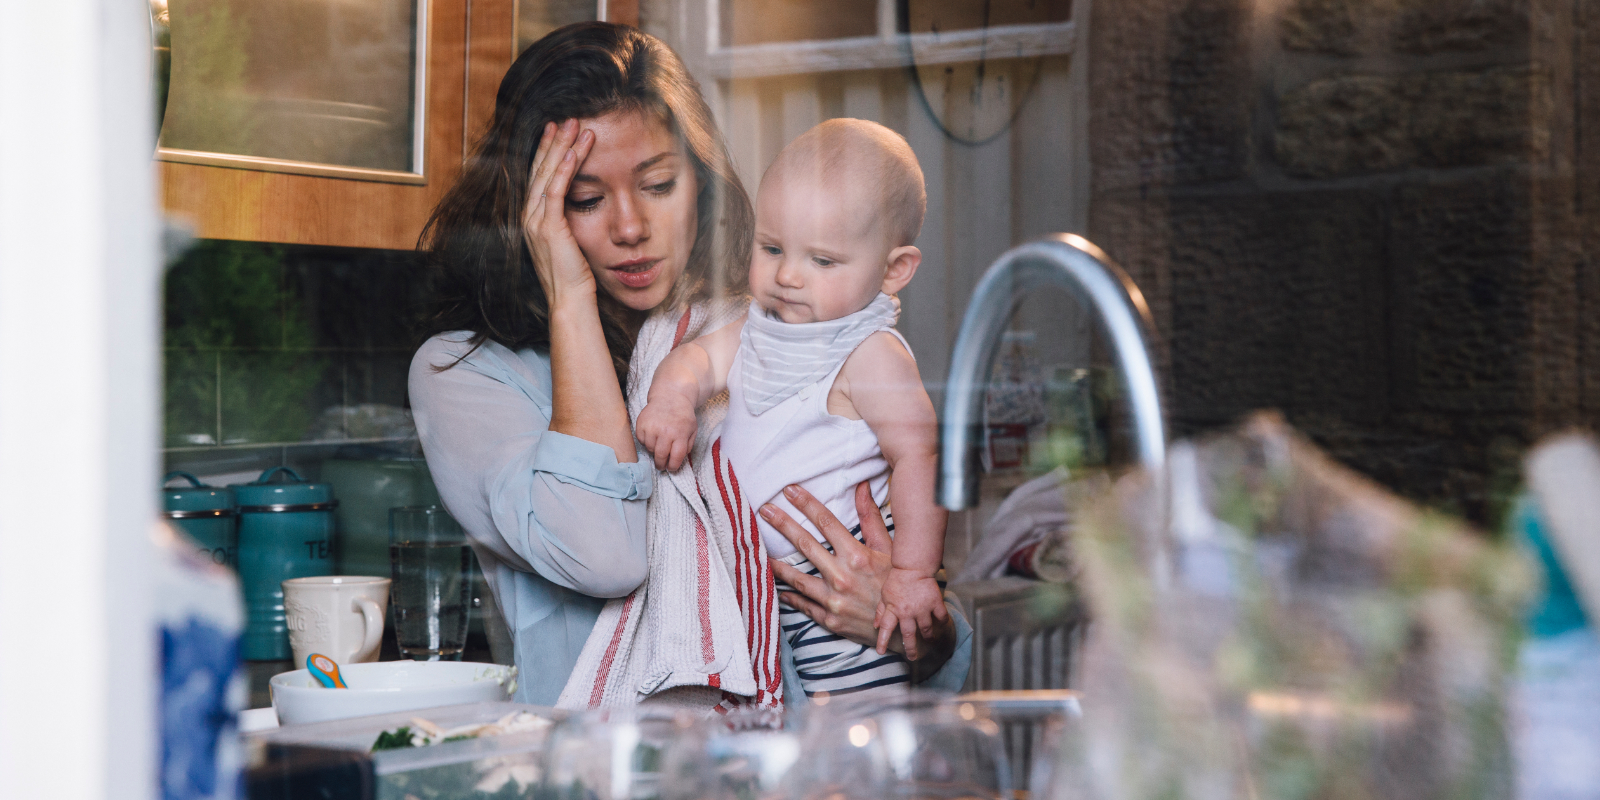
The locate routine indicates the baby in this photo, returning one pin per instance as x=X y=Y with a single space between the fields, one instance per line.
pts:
x=822 y=391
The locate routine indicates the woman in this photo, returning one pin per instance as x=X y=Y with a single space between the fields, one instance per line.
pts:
x=599 y=206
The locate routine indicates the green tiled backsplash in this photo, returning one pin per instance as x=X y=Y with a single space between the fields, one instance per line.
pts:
x=275 y=353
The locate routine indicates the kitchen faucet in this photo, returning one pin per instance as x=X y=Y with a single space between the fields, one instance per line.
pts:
x=1073 y=263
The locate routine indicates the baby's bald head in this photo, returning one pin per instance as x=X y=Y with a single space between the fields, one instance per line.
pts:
x=867 y=161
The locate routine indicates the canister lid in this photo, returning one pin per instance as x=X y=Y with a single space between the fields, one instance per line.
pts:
x=268 y=494
x=196 y=496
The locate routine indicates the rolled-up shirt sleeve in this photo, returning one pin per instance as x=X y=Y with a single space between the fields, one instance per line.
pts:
x=952 y=676
x=594 y=467
x=541 y=501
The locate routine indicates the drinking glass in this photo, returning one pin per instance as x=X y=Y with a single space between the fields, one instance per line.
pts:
x=745 y=755
x=924 y=745
x=429 y=596
x=609 y=754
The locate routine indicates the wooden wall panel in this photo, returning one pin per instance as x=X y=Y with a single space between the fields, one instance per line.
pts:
x=492 y=46
x=624 y=12
x=226 y=203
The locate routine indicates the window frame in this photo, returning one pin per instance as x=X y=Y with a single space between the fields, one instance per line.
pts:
x=889 y=49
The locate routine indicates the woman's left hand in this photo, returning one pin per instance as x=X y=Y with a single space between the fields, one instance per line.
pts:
x=844 y=599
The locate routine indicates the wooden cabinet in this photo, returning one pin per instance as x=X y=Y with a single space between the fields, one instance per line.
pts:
x=469 y=50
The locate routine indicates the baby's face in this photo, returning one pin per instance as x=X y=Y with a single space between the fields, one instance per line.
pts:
x=820 y=252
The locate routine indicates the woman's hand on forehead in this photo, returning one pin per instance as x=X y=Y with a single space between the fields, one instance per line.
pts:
x=557 y=259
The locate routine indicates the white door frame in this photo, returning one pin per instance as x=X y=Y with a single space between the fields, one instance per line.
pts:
x=79 y=388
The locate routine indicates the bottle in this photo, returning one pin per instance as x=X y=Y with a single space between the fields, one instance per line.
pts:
x=1015 y=402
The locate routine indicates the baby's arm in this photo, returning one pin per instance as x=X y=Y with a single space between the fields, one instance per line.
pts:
x=689 y=376
x=884 y=386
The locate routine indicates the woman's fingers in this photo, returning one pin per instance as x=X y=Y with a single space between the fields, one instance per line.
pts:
x=533 y=203
x=552 y=149
x=561 y=180
x=540 y=155
x=557 y=259
x=807 y=606
x=801 y=539
x=844 y=544
x=561 y=149
x=545 y=160
x=850 y=588
x=873 y=530
x=805 y=587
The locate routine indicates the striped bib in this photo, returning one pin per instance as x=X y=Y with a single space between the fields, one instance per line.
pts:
x=781 y=358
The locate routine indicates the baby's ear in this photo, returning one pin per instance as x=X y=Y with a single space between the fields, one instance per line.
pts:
x=903 y=263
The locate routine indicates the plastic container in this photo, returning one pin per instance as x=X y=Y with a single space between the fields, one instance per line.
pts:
x=285 y=531
x=335 y=759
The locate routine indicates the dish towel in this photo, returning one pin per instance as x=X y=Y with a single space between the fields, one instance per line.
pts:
x=705 y=621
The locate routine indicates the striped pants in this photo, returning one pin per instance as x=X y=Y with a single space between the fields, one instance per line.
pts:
x=828 y=662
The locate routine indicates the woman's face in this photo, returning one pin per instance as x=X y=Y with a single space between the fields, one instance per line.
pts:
x=631 y=207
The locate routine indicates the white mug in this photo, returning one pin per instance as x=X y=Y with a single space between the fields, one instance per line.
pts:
x=339 y=616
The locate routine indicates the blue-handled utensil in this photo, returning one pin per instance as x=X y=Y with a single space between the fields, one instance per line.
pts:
x=325 y=670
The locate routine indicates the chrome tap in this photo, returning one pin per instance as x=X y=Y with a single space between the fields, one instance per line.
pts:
x=1070 y=262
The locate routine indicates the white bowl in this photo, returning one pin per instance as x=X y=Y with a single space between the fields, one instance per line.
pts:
x=387 y=686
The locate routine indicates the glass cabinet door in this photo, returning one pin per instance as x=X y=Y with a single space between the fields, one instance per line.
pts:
x=318 y=87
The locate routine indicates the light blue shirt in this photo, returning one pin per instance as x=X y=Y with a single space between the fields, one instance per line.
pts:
x=557 y=523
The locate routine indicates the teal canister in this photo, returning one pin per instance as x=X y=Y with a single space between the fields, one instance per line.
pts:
x=206 y=514
x=285 y=531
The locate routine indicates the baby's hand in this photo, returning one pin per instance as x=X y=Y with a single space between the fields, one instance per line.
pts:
x=666 y=428
x=911 y=601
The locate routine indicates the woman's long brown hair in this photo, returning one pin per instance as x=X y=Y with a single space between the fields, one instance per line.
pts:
x=483 y=279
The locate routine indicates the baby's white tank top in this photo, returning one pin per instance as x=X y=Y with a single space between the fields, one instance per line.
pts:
x=798 y=441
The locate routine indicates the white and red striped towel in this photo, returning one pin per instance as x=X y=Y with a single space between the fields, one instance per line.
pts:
x=705 y=622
